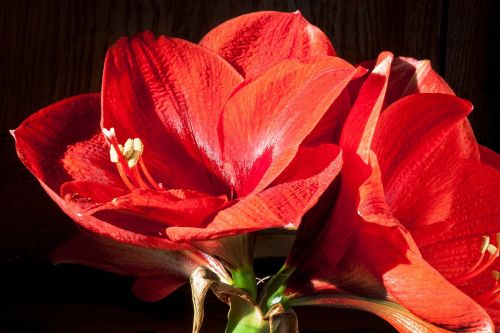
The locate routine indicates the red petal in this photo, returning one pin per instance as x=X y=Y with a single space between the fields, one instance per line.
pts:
x=254 y=42
x=360 y=124
x=153 y=290
x=400 y=318
x=267 y=118
x=330 y=126
x=495 y=316
x=62 y=142
x=476 y=213
x=149 y=235
x=409 y=76
x=161 y=272
x=418 y=144
x=92 y=192
x=123 y=259
x=174 y=207
x=373 y=241
x=169 y=92
x=281 y=205
x=417 y=286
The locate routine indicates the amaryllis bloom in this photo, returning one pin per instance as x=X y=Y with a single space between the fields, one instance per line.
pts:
x=414 y=202
x=189 y=143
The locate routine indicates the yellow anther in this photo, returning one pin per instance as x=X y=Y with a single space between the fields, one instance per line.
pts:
x=484 y=245
x=131 y=151
x=113 y=155
x=495 y=275
x=138 y=145
x=492 y=249
x=132 y=161
x=128 y=148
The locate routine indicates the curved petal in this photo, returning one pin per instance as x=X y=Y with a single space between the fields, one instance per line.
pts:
x=414 y=284
x=150 y=234
x=366 y=236
x=62 y=142
x=254 y=42
x=475 y=214
x=279 y=206
x=169 y=208
x=266 y=119
x=330 y=126
x=360 y=124
x=418 y=145
x=169 y=92
x=396 y=315
x=410 y=76
x=123 y=259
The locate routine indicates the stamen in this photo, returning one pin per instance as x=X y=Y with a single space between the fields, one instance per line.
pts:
x=126 y=158
x=148 y=175
x=138 y=177
x=124 y=177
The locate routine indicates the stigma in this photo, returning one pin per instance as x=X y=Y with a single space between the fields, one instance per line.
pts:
x=488 y=255
x=129 y=162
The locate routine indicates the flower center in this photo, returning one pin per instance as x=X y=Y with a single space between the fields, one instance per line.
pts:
x=489 y=253
x=128 y=160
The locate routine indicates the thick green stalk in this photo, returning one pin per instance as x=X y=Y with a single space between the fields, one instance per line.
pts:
x=273 y=292
x=244 y=278
x=245 y=317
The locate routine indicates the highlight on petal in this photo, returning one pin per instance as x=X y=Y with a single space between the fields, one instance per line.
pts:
x=462 y=242
x=410 y=76
x=168 y=93
x=266 y=119
x=360 y=124
x=418 y=142
x=254 y=42
x=280 y=206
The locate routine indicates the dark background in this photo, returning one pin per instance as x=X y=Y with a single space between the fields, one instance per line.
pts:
x=50 y=50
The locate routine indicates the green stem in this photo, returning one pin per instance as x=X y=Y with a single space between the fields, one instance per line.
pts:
x=245 y=317
x=244 y=278
x=273 y=292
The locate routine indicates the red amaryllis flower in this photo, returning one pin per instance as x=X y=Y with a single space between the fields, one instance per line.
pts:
x=179 y=147
x=419 y=211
